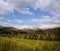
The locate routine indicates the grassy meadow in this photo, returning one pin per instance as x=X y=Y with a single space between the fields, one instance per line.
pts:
x=17 y=44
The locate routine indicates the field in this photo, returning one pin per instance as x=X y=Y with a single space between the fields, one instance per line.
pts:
x=17 y=44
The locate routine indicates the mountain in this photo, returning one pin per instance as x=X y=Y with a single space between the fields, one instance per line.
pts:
x=45 y=34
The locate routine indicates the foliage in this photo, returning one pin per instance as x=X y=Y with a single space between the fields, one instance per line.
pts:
x=17 y=44
x=37 y=34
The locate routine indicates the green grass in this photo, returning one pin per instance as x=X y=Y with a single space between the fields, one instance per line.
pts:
x=17 y=44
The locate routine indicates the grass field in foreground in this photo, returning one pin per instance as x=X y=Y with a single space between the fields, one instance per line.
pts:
x=17 y=44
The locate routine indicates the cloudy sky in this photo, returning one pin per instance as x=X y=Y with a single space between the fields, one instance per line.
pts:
x=30 y=13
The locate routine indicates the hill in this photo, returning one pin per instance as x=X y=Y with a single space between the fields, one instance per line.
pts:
x=38 y=34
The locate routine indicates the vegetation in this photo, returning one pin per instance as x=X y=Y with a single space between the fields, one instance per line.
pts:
x=12 y=39
x=37 y=34
x=17 y=44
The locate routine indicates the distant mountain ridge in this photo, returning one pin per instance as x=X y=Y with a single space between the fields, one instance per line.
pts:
x=46 y=34
x=15 y=29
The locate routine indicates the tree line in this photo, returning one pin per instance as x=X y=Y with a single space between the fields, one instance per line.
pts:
x=37 y=34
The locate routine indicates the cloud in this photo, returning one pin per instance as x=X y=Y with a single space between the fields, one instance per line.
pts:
x=18 y=21
x=46 y=21
x=23 y=27
x=9 y=20
x=52 y=6
x=15 y=25
x=5 y=8
x=49 y=26
x=22 y=6
x=6 y=24
x=15 y=21
x=1 y=18
x=8 y=6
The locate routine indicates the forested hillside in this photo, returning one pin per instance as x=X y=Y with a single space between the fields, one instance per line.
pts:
x=38 y=34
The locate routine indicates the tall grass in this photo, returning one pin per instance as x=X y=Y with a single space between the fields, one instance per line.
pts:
x=16 y=44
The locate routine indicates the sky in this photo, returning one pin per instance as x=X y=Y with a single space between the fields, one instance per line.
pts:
x=30 y=13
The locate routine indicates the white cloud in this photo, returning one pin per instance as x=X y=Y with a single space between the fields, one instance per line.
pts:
x=49 y=26
x=24 y=27
x=15 y=25
x=5 y=24
x=46 y=21
x=1 y=18
x=8 y=6
x=5 y=8
x=43 y=23
x=52 y=6
x=14 y=16
x=21 y=6
x=9 y=20
x=18 y=21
